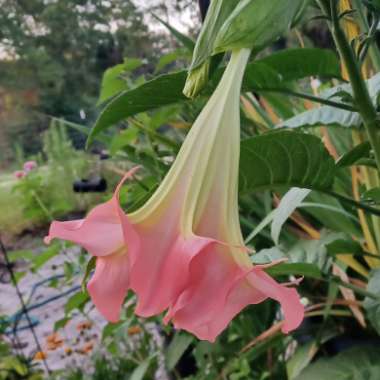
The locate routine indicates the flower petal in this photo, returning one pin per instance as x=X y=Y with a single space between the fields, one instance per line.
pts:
x=109 y=285
x=103 y=231
x=160 y=269
x=288 y=297
x=214 y=295
x=219 y=288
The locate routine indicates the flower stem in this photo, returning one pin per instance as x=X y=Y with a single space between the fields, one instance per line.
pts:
x=42 y=206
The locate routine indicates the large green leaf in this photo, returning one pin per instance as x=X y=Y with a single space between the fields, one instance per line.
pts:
x=285 y=159
x=255 y=24
x=359 y=363
x=271 y=73
x=330 y=116
x=293 y=64
x=163 y=90
x=323 y=116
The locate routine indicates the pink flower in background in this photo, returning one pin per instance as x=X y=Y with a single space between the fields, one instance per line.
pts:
x=29 y=166
x=183 y=251
x=19 y=174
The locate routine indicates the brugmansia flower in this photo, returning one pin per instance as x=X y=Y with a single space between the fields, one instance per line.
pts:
x=183 y=250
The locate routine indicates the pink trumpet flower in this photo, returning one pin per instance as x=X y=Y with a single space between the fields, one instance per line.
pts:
x=29 y=166
x=183 y=251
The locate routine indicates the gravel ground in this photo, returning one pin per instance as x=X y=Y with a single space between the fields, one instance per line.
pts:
x=73 y=343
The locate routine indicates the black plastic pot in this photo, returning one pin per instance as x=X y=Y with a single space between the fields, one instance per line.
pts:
x=94 y=185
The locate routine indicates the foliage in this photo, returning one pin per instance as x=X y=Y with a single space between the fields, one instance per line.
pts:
x=16 y=367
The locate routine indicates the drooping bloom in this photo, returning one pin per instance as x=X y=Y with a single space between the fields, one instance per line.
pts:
x=183 y=251
x=29 y=166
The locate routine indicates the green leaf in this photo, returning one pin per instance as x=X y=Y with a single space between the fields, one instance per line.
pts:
x=285 y=159
x=110 y=328
x=217 y=14
x=113 y=82
x=89 y=268
x=166 y=89
x=293 y=64
x=102 y=137
x=354 y=155
x=358 y=363
x=61 y=323
x=176 y=349
x=304 y=355
x=165 y=60
x=330 y=116
x=122 y=139
x=21 y=255
x=289 y=202
x=347 y=247
x=341 y=221
x=265 y=222
x=313 y=251
x=296 y=269
x=140 y=371
x=182 y=38
x=40 y=259
x=372 y=195
x=262 y=75
x=274 y=341
x=372 y=306
x=203 y=63
x=76 y=301
x=268 y=255
x=13 y=364
x=256 y=24
x=323 y=116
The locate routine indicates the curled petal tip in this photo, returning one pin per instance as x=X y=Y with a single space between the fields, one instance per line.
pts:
x=130 y=173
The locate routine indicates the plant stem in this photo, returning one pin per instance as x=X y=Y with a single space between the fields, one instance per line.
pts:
x=361 y=94
x=312 y=98
x=356 y=289
x=42 y=206
x=353 y=202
